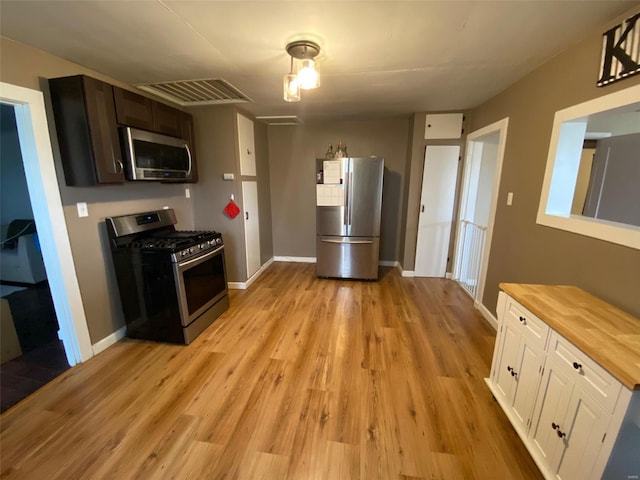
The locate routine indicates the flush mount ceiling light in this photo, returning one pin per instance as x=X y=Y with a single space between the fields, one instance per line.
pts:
x=304 y=75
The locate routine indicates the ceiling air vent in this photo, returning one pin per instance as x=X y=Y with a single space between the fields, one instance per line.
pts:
x=213 y=91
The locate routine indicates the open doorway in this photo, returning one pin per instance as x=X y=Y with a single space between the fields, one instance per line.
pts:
x=26 y=108
x=31 y=353
x=478 y=202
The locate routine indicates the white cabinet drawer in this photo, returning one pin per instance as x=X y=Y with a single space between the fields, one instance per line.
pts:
x=533 y=329
x=591 y=378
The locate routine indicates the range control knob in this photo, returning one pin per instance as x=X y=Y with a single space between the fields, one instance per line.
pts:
x=183 y=253
x=191 y=250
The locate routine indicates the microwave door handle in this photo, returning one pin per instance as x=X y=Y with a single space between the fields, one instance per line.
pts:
x=186 y=145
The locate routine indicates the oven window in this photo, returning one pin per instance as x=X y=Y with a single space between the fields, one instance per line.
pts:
x=204 y=282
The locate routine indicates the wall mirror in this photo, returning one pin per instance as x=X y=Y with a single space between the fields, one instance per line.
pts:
x=592 y=180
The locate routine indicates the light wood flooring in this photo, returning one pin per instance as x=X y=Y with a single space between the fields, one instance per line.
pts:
x=301 y=378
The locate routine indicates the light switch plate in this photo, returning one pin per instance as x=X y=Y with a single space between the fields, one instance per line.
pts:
x=509 y=199
x=83 y=210
x=187 y=192
x=228 y=176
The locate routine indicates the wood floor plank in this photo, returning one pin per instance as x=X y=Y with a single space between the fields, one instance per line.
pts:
x=302 y=378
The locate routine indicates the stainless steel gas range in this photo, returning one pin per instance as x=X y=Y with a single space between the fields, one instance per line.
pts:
x=172 y=283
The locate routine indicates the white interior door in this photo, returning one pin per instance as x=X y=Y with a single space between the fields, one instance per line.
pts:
x=436 y=209
x=251 y=226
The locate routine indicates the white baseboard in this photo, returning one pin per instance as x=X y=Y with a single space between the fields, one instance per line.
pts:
x=488 y=316
x=106 y=342
x=389 y=263
x=254 y=277
x=408 y=273
x=295 y=259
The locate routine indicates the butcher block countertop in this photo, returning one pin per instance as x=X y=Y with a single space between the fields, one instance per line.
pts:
x=605 y=333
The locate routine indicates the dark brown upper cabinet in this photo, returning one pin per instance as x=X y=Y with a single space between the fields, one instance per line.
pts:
x=133 y=110
x=166 y=119
x=87 y=130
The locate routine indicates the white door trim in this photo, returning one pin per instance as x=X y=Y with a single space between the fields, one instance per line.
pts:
x=499 y=127
x=48 y=213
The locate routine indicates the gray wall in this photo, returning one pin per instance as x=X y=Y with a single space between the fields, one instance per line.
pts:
x=615 y=191
x=292 y=153
x=27 y=67
x=261 y=133
x=216 y=147
x=521 y=250
x=14 y=196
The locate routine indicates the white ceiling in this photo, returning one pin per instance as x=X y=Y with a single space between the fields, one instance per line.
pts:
x=377 y=58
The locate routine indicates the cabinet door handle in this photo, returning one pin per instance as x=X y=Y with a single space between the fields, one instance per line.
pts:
x=522 y=319
x=577 y=366
x=246 y=215
x=113 y=161
x=556 y=427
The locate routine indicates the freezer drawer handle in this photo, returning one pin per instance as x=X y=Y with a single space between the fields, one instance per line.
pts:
x=347 y=243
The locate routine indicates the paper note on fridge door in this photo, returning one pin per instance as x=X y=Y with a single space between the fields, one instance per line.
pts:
x=332 y=171
x=329 y=195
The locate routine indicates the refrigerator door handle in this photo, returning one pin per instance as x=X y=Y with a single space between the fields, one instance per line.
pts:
x=346 y=205
x=359 y=242
x=350 y=192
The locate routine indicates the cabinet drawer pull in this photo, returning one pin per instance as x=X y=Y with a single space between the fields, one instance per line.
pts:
x=577 y=366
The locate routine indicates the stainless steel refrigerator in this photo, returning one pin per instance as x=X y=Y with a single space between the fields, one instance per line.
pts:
x=348 y=206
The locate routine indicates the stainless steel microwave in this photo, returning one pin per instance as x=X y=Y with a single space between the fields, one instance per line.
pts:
x=151 y=156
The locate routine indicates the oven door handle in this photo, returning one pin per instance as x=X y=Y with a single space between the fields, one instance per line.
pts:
x=201 y=258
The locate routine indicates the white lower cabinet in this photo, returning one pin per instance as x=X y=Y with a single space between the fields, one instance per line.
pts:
x=569 y=428
x=567 y=409
x=518 y=359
